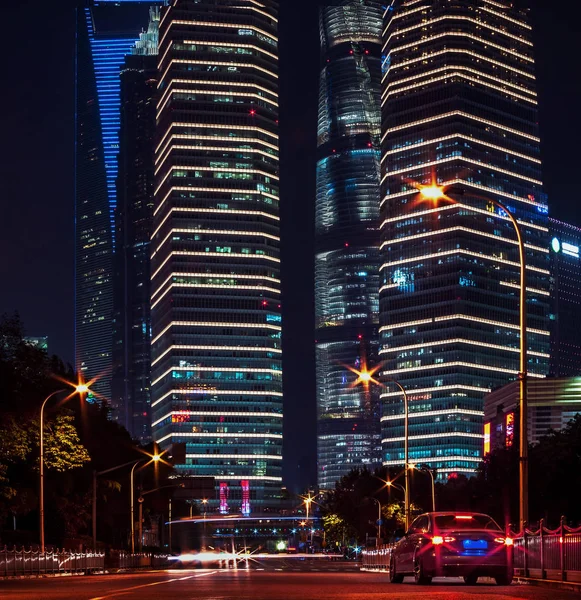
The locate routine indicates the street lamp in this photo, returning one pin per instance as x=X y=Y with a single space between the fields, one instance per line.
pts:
x=379 y=515
x=435 y=193
x=80 y=388
x=366 y=377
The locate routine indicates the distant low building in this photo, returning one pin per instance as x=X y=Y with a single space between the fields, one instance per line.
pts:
x=40 y=342
x=552 y=402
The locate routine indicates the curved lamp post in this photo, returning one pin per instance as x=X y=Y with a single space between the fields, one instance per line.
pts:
x=436 y=193
x=80 y=389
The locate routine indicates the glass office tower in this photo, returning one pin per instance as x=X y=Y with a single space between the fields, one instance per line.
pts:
x=459 y=108
x=347 y=237
x=566 y=295
x=106 y=32
x=130 y=385
x=216 y=312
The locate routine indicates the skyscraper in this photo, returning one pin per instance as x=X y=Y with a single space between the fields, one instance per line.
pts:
x=459 y=108
x=347 y=237
x=130 y=393
x=566 y=295
x=216 y=312
x=106 y=32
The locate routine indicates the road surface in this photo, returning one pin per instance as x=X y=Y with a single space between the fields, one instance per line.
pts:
x=260 y=585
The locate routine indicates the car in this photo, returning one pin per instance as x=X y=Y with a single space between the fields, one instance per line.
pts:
x=452 y=544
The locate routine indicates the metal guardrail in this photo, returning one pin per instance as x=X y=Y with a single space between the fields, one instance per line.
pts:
x=16 y=562
x=549 y=554
x=376 y=559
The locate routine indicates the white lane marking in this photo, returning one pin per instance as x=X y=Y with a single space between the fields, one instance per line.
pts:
x=125 y=591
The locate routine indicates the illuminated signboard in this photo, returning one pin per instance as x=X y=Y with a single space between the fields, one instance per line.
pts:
x=569 y=249
x=509 y=429
x=486 y=438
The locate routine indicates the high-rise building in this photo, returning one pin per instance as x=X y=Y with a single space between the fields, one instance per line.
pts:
x=552 y=403
x=106 y=32
x=216 y=312
x=130 y=386
x=566 y=295
x=459 y=109
x=347 y=237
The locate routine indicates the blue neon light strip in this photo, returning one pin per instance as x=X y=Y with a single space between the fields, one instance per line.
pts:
x=108 y=58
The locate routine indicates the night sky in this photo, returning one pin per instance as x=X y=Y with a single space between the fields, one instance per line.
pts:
x=37 y=177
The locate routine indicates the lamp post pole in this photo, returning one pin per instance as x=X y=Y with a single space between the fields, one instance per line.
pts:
x=431 y=192
x=379 y=515
x=41 y=494
x=405 y=452
x=131 y=492
x=80 y=389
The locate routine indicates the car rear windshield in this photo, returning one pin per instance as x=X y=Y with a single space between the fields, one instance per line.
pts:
x=456 y=522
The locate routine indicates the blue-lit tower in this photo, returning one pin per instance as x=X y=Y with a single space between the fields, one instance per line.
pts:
x=106 y=32
x=347 y=237
x=459 y=109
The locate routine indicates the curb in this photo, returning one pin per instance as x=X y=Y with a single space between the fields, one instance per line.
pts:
x=550 y=584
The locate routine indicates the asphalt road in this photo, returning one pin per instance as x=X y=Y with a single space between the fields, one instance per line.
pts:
x=260 y=585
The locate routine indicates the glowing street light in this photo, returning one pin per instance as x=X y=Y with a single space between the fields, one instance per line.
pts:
x=79 y=388
x=434 y=193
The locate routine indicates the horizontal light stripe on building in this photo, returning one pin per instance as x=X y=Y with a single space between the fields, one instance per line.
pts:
x=460 y=136
x=454 y=317
x=235 y=456
x=212 y=211
x=195 y=368
x=215 y=324
x=178 y=347
x=197 y=148
x=221 y=24
x=531 y=290
x=215 y=392
x=432 y=459
x=189 y=434
x=434 y=413
x=452 y=205
x=212 y=275
x=456 y=363
x=233 y=127
x=460 y=113
x=435 y=232
x=461 y=251
x=485 y=42
x=215 y=190
x=431 y=55
x=478 y=22
x=225 y=232
x=194 y=167
x=428 y=436
x=460 y=341
x=210 y=413
x=214 y=255
x=419 y=80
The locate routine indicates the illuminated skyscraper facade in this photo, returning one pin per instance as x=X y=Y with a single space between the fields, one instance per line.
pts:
x=130 y=385
x=216 y=312
x=106 y=32
x=347 y=237
x=459 y=108
x=566 y=294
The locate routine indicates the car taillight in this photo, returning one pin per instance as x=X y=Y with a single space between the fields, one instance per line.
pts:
x=437 y=540
x=506 y=541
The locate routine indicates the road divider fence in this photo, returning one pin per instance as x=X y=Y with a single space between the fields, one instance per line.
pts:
x=15 y=562
x=549 y=554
